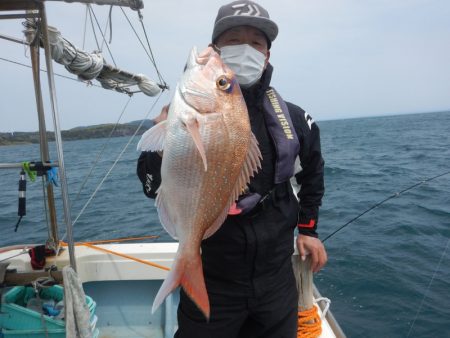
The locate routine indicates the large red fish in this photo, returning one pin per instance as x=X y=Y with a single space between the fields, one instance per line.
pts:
x=209 y=156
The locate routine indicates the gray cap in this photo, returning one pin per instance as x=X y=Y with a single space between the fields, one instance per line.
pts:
x=244 y=13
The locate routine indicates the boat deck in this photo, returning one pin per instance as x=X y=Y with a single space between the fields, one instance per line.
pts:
x=124 y=289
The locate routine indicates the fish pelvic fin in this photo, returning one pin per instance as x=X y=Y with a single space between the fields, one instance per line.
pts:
x=187 y=272
x=193 y=128
x=153 y=139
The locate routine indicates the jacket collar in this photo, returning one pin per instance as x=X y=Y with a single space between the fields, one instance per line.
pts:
x=255 y=93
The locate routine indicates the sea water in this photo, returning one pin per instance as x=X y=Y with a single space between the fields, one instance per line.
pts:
x=388 y=273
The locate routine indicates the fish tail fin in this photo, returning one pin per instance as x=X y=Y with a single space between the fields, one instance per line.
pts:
x=187 y=272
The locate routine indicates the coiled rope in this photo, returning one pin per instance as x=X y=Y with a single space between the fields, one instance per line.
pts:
x=309 y=323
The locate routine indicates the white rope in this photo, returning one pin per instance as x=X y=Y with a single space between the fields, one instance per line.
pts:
x=89 y=66
x=76 y=310
x=327 y=305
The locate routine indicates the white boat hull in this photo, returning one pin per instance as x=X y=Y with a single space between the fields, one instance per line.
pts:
x=124 y=289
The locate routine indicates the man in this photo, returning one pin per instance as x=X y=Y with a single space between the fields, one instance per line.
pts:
x=247 y=262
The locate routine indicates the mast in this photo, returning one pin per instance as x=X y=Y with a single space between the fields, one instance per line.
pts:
x=36 y=13
x=53 y=240
x=58 y=138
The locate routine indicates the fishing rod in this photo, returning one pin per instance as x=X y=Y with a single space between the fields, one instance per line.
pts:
x=382 y=202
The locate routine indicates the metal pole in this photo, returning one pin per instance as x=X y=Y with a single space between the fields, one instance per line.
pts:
x=53 y=239
x=13 y=39
x=133 y=4
x=58 y=139
x=32 y=166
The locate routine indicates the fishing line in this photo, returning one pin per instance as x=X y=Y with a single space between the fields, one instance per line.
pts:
x=382 y=202
x=428 y=288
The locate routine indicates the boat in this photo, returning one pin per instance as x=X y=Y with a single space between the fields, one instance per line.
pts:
x=120 y=278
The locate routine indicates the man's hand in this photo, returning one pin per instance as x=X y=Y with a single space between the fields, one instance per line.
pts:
x=314 y=247
x=163 y=115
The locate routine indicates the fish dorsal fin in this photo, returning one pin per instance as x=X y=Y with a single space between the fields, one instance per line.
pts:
x=153 y=139
x=167 y=223
x=250 y=166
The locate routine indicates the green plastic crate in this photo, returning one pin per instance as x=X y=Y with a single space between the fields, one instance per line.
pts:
x=14 y=315
x=51 y=333
x=55 y=333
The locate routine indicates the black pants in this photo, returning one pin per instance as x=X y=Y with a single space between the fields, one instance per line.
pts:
x=273 y=315
x=248 y=274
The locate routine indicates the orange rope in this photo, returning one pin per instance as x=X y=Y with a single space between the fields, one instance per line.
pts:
x=117 y=240
x=309 y=323
x=89 y=245
x=127 y=256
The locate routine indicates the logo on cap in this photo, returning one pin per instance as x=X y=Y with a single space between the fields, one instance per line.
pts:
x=252 y=10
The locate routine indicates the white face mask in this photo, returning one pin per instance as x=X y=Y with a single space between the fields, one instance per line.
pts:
x=245 y=61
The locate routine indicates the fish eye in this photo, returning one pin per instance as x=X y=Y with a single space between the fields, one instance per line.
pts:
x=223 y=82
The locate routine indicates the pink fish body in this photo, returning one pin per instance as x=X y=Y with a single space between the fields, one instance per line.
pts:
x=209 y=156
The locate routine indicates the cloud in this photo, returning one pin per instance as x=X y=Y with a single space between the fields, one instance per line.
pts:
x=334 y=58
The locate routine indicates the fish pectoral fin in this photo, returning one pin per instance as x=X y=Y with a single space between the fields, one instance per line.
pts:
x=187 y=272
x=193 y=127
x=153 y=139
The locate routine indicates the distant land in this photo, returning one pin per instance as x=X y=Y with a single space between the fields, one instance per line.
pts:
x=78 y=133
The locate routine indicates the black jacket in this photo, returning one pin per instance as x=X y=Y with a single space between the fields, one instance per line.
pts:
x=309 y=178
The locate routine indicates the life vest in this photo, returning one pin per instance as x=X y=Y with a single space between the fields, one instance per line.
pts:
x=287 y=147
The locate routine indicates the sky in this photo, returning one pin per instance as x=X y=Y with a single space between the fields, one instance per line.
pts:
x=334 y=58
